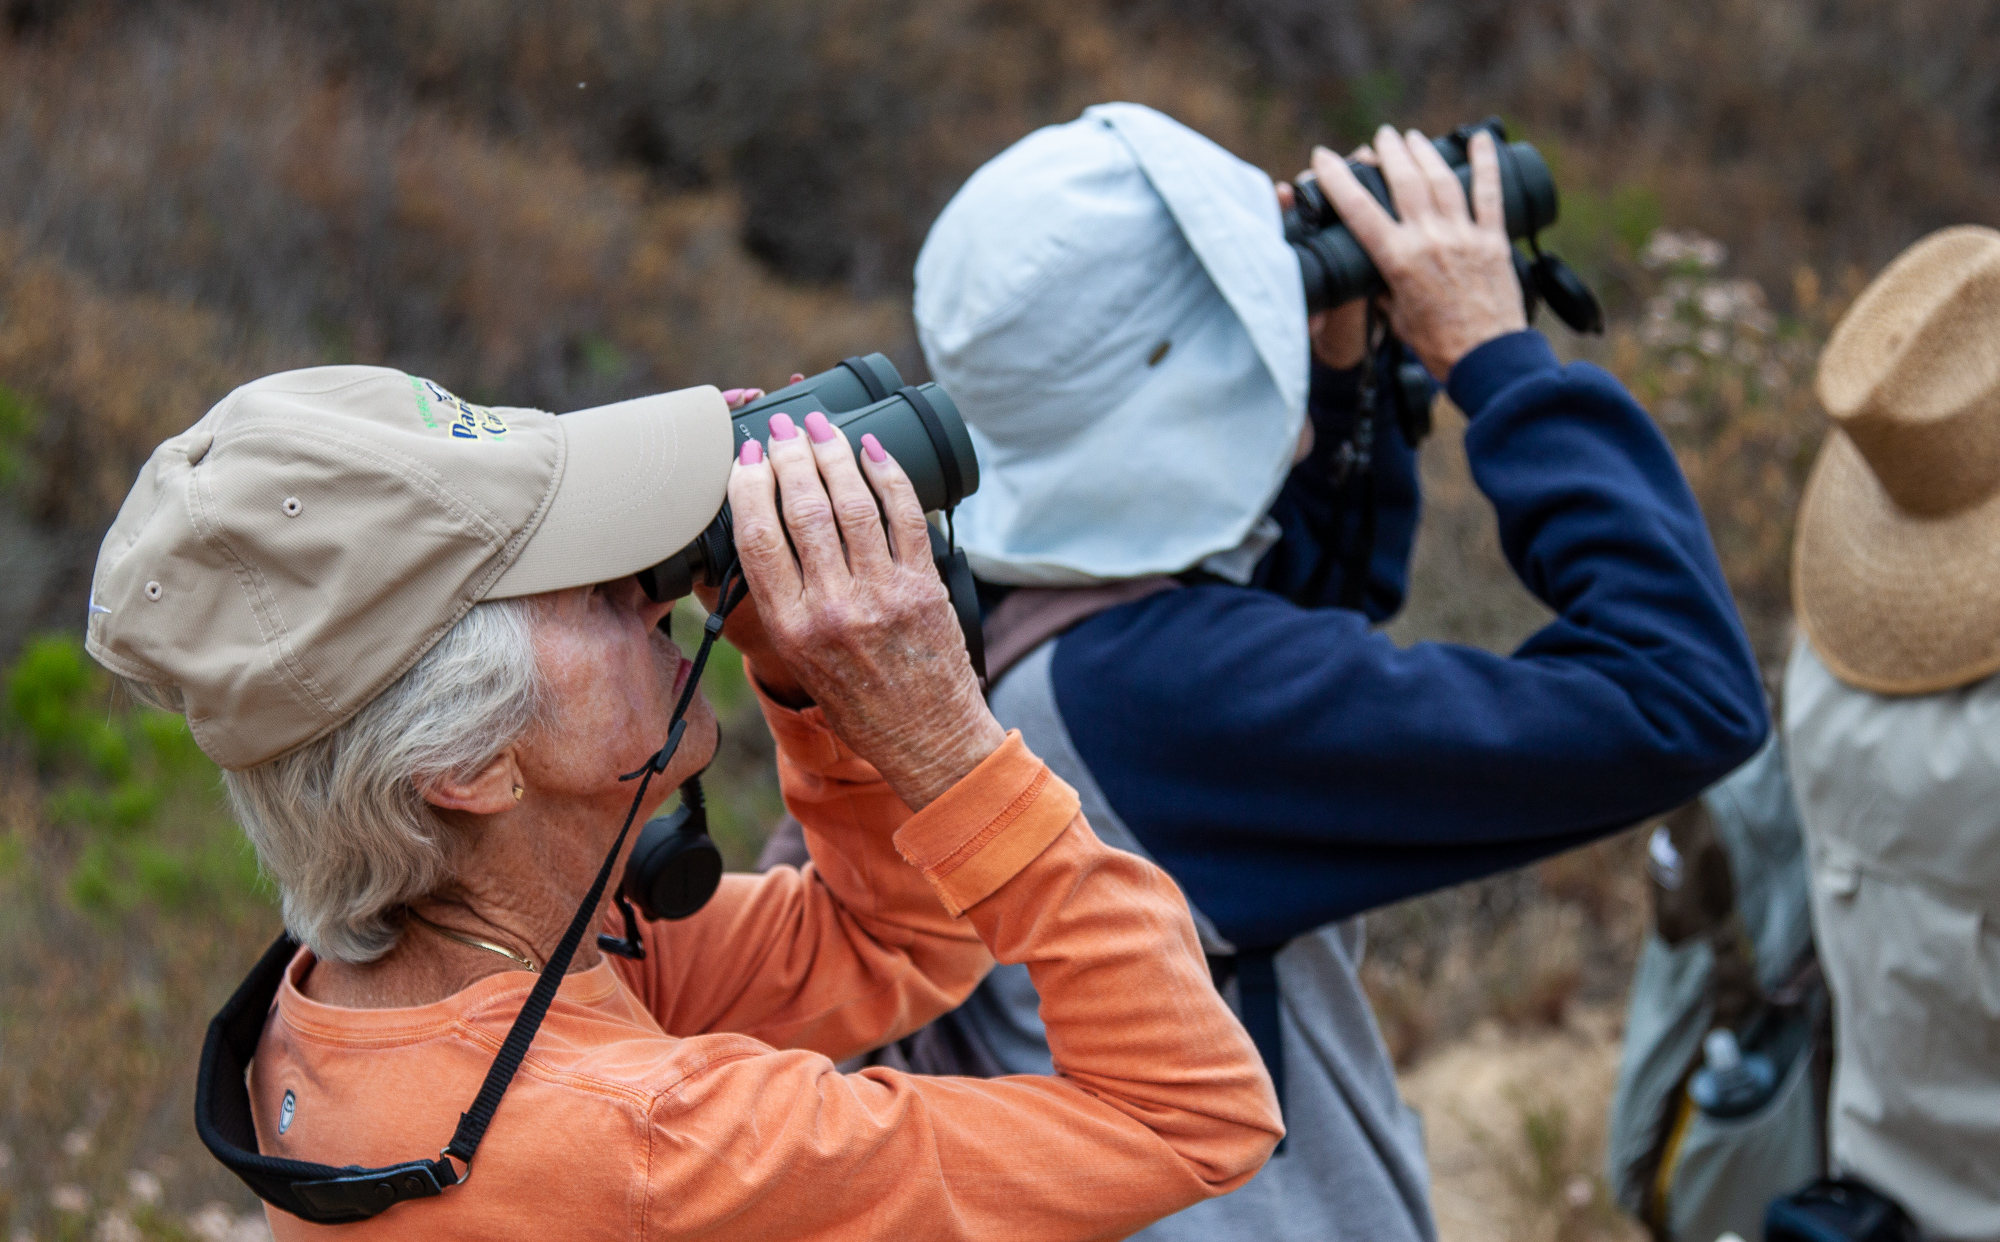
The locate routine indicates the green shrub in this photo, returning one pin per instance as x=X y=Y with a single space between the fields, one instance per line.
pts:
x=133 y=795
x=17 y=419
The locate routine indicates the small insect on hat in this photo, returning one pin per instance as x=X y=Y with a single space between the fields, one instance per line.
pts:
x=281 y=562
x=1896 y=567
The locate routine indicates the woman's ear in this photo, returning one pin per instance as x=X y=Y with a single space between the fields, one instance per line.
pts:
x=488 y=792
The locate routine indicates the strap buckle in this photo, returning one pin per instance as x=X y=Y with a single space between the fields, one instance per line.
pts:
x=369 y=1192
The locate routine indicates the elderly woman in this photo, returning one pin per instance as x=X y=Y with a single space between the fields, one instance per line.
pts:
x=406 y=627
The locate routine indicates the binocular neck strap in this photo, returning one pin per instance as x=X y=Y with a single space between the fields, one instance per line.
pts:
x=473 y=1122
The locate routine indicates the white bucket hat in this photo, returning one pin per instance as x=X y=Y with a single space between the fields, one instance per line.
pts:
x=1114 y=308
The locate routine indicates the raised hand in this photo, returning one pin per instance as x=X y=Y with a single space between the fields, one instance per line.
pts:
x=858 y=614
x=1450 y=270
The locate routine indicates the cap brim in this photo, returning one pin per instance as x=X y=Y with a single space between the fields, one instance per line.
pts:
x=640 y=479
x=1894 y=602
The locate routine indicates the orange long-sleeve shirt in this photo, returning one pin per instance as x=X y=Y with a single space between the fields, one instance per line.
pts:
x=691 y=1095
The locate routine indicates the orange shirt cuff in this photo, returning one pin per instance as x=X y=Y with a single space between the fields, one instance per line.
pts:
x=990 y=825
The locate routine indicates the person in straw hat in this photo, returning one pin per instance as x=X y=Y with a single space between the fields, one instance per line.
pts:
x=1892 y=708
x=409 y=630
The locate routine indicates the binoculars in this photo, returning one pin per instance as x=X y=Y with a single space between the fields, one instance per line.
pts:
x=919 y=426
x=675 y=866
x=1336 y=269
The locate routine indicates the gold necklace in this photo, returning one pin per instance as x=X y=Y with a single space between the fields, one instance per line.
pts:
x=473 y=942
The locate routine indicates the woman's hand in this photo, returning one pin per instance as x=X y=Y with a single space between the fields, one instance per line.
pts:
x=1450 y=271
x=859 y=615
x=745 y=629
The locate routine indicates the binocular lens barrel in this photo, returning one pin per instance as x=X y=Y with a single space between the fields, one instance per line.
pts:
x=919 y=426
x=1335 y=267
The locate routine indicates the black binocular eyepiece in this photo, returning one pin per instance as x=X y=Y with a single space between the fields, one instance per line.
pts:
x=1337 y=270
x=919 y=426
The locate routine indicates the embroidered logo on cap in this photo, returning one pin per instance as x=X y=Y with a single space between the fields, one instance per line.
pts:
x=466 y=420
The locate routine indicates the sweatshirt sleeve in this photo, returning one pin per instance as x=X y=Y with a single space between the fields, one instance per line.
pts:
x=1158 y=1101
x=1291 y=767
x=839 y=956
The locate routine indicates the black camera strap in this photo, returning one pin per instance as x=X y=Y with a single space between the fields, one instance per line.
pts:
x=324 y=1194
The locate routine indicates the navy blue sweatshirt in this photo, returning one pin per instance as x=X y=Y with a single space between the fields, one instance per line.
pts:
x=1289 y=766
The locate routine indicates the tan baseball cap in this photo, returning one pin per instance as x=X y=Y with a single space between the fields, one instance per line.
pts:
x=284 y=560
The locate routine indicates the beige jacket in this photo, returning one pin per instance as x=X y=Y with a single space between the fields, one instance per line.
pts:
x=1900 y=798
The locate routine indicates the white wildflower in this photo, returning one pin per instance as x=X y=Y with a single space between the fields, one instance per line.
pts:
x=144 y=1187
x=68 y=1197
x=211 y=1223
x=117 y=1227
x=1671 y=248
x=76 y=1144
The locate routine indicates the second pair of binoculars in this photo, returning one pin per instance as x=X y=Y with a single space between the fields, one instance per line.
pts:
x=918 y=424
x=1337 y=270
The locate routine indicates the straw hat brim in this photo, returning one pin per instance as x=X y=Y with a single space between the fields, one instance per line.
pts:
x=1891 y=601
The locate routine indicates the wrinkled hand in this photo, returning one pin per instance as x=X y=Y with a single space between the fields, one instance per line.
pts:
x=1450 y=271
x=859 y=615
x=745 y=630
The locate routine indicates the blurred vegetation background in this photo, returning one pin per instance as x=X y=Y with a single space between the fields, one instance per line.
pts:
x=560 y=205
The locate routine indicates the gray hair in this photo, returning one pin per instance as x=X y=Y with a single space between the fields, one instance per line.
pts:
x=341 y=823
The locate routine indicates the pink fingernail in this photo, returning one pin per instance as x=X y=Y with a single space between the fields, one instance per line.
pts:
x=781 y=426
x=873 y=447
x=818 y=428
x=753 y=453
x=732 y=395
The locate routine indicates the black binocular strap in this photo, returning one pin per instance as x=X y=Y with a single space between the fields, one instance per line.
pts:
x=327 y=1195
x=954 y=482
x=314 y=1192
x=473 y=1122
x=1257 y=992
x=871 y=383
x=1256 y=975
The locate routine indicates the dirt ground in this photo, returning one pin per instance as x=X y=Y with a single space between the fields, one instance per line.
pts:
x=1514 y=1122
